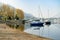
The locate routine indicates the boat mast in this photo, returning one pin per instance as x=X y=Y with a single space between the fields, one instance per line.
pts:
x=40 y=14
x=48 y=15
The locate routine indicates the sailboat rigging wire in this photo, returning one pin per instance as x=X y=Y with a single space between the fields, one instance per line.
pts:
x=40 y=13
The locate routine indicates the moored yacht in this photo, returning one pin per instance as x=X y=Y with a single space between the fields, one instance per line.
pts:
x=36 y=23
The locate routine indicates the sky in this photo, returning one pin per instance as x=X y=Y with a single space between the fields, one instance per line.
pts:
x=38 y=8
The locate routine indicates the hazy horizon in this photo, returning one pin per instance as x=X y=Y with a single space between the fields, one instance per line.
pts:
x=32 y=6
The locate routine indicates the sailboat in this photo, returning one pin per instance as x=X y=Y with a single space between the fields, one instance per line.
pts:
x=37 y=23
x=48 y=22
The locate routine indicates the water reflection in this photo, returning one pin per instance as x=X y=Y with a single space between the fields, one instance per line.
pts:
x=52 y=31
x=15 y=26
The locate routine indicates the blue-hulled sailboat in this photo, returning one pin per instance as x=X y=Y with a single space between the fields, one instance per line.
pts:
x=37 y=23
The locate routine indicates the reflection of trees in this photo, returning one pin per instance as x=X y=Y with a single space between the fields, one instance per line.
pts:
x=9 y=13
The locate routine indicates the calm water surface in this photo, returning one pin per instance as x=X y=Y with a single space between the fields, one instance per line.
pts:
x=52 y=31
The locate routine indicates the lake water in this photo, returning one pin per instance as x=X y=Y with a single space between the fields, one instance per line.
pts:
x=52 y=31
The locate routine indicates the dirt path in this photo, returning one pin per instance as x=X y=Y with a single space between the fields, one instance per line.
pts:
x=7 y=33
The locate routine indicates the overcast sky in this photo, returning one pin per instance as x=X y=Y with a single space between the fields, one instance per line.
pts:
x=36 y=7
